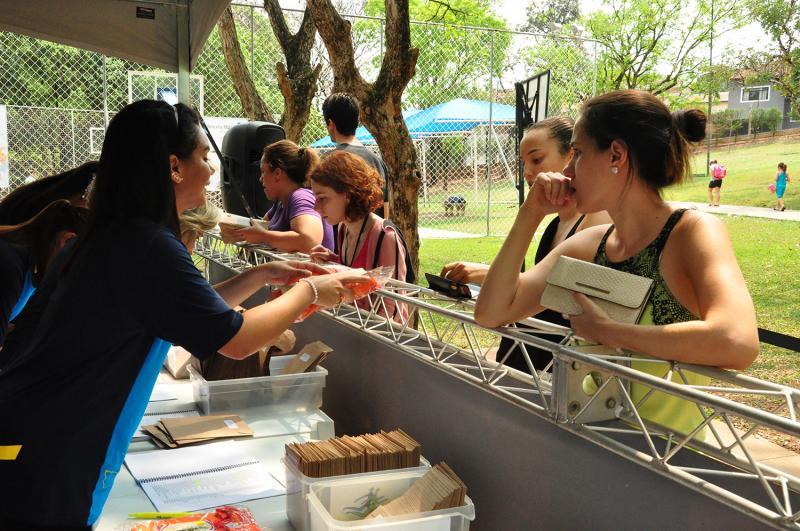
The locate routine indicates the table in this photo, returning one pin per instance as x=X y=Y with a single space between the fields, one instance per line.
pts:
x=271 y=432
x=127 y=497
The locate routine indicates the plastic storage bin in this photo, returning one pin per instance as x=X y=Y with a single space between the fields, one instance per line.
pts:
x=277 y=393
x=298 y=485
x=332 y=502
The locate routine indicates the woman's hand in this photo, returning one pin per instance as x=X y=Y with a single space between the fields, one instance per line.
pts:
x=282 y=273
x=465 y=272
x=253 y=234
x=593 y=323
x=550 y=192
x=331 y=289
x=320 y=253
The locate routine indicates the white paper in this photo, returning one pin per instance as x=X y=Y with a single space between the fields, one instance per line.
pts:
x=152 y=418
x=201 y=477
x=162 y=392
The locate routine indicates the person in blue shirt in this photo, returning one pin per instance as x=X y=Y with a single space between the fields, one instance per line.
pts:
x=70 y=402
x=27 y=249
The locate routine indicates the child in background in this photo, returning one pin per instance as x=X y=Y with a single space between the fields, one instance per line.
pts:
x=718 y=172
x=781 y=178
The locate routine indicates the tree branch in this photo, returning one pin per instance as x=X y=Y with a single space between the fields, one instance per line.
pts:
x=252 y=104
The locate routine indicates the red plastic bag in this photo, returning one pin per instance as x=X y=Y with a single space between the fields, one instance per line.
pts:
x=373 y=280
x=226 y=518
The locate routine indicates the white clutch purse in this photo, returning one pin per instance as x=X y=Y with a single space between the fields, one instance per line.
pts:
x=621 y=295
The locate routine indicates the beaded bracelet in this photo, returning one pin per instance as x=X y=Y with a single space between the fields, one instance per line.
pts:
x=313 y=288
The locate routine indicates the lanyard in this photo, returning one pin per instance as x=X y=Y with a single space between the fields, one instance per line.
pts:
x=360 y=233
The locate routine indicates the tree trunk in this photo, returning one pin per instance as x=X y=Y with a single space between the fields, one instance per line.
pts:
x=381 y=110
x=298 y=83
x=253 y=106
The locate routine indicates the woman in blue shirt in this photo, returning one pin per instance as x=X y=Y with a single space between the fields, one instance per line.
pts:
x=26 y=250
x=71 y=401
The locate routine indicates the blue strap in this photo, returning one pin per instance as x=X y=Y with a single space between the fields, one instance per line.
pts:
x=129 y=418
x=28 y=289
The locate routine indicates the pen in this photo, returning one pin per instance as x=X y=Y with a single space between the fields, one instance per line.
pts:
x=157 y=516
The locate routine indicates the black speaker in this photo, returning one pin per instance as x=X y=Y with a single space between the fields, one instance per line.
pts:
x=242 y=148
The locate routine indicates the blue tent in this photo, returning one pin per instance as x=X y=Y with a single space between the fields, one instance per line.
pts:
x=452 y=117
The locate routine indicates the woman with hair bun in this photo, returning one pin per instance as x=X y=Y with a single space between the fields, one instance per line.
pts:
x=628 y=148
x=292 y=222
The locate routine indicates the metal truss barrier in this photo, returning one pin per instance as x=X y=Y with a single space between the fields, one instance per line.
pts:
x=588 y=389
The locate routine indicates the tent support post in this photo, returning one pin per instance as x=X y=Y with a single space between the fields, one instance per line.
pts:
x=184 y=53
x=475 y=167
x=503 y=157
x=422 y=149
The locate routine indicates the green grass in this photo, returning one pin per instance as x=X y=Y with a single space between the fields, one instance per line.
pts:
x=751 y=169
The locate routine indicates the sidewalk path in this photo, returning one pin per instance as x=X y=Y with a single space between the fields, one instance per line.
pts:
x=735 y=210
x=441 y=234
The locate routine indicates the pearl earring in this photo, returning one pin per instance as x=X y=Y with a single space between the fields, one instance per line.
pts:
x=614 y=170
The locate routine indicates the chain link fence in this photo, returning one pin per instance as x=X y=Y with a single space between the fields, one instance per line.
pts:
x=459 y=107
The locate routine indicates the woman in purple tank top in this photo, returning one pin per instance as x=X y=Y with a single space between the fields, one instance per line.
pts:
x=292 y=224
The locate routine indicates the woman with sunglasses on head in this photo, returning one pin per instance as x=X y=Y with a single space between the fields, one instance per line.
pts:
x=72 y=399
x=628 y=148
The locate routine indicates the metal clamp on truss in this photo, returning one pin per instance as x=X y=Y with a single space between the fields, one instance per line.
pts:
x=585 y=393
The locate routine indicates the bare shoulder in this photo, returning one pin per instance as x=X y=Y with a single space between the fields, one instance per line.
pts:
x=594 y=219
x=582 y=245
x=696 y=224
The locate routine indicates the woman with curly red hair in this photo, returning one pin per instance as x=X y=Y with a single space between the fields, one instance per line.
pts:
x=347 y=191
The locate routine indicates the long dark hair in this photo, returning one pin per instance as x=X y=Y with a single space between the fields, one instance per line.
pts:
x=27 y=200
x=133 y=174
x=39 y=233
x=658 y=141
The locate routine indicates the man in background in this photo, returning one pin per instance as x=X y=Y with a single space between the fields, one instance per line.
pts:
x=341 y=111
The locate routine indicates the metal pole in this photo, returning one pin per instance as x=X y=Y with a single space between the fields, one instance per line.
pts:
x=74 y=152
x=710 y=88
x=105 y=91
x=252 y=44
x=488 y=133
x=184 y=54
x=594 y=73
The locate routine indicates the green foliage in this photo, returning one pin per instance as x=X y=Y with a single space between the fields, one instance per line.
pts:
x=773 y=119
x=762 y=120
x=541 y=16
x=780 y=20
x=454 y=62
x=44 y=74
x=726 y=123
x=656 y=45
x=571 y=72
